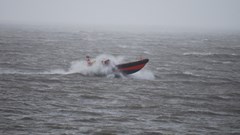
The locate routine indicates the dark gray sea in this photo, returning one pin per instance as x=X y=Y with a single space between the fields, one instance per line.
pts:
x=191 y=84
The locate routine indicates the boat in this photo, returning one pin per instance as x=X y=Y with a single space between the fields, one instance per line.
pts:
x=132 y=67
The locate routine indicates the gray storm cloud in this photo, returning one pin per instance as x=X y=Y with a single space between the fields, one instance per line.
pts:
x=219 y=14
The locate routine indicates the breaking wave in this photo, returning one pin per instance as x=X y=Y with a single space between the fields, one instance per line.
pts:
x=209 y=54
x=197 y=53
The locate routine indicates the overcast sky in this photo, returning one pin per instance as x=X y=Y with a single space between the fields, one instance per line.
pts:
x=216 y=14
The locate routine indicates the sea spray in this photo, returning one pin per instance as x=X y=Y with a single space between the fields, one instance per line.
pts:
x=97 y=68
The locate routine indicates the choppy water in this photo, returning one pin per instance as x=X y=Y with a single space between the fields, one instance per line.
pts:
x=190 y=86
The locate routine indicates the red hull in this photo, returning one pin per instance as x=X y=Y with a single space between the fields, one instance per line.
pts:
x=132 y=67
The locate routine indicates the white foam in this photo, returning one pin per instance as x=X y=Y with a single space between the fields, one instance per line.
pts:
x=188 y=73
x=54 y=71
x=207 y=54
x=198 y=53
x=143 y=74
x=146 y=52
